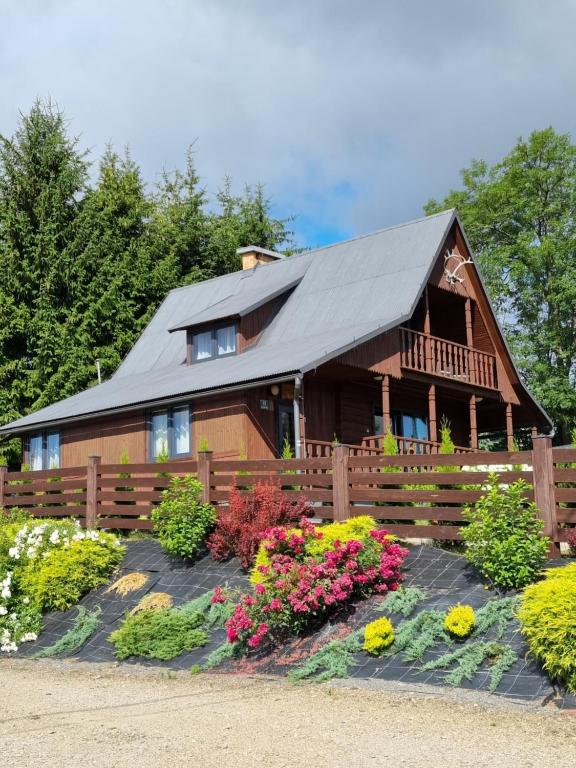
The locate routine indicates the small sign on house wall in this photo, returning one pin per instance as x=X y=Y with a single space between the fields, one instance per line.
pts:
x=265 y=405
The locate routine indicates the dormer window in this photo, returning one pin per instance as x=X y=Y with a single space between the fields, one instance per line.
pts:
x=219 y=341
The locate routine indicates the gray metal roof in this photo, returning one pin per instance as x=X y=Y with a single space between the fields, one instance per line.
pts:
x=343 y=295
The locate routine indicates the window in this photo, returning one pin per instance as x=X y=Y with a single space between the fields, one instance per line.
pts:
x=170 y=433
x=42 y=451
x=216 y=342
x=404 y=424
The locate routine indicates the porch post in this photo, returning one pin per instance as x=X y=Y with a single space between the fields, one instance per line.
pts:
x=509 y=427
x=432 y=423
x=297 y=424
x=386 y=403
x=473 y=423
x=470 y=342
x=427 y=344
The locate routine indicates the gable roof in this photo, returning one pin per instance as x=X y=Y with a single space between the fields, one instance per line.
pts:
x=342 y=295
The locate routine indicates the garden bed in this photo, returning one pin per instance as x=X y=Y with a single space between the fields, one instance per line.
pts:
x=445 y=577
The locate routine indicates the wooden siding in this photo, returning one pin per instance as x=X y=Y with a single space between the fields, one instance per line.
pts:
x=220 y=421
x=252 y=324
x=380 y=354
x=109 y=438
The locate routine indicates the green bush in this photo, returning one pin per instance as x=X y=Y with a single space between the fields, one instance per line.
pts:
x=503 y=538
x=548 y=617
x=159 y=634
x=182 y=520
x=58 y=580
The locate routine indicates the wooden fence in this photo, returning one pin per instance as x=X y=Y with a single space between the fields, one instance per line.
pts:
x=412 y=495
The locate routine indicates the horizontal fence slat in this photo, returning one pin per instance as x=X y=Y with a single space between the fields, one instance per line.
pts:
x=306 y=480
x=129 y=495
x=45 y=485
x=42 y=499
x=58 y=511
x=434 y=460
x=436 y=478
x=42 y=474
x=399 y=495
x=452 y=514
x=313 y=495
x=566 y=494
x=269 y=465
x=134 y=482
x=151 y=468
x=566 y=514
x=564 y=475
x=439 y=532
x=563 y=455
x=138 y=510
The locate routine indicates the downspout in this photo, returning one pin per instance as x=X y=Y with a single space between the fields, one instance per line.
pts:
x=297 y=436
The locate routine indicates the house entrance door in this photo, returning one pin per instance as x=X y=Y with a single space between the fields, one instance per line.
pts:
x=285 y=426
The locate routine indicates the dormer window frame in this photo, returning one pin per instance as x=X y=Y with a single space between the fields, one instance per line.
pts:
x=213 y=329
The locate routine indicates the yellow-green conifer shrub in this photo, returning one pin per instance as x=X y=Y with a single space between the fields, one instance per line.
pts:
x=460 y=621
x=378 y=635
x=548 y=617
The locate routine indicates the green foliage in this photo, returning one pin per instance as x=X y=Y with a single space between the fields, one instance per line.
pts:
x=222 y=653
x=203 y=446
x=548 y=617
x=215 y=614
x=414 y=637
x=470 y=657
x=503 y=538
x=378 y=635
x=403 y=601
x=496 y=613
x=460 y=621
x=354 y=528
x=85 y=624
x=160 y=635
x=519 y=218
x=182 y=520
x=331 y=661
x=63 y=575
x=86 y=263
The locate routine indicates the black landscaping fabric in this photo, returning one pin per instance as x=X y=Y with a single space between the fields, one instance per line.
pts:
x=446 y=578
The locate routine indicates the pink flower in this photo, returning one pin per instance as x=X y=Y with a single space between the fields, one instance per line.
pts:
x=260 y=589
x=218 y=596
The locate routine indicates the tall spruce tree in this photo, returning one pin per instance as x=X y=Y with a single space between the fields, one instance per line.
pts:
x=520 y=216
x=84 y=267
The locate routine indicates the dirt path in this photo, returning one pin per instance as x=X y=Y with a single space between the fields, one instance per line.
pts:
x=58 y=714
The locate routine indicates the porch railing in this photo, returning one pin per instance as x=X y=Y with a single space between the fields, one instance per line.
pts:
x=430 y=354
x=372 y=446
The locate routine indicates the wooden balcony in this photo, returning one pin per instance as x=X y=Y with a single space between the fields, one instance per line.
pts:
x=432 y=355
x=372 y=446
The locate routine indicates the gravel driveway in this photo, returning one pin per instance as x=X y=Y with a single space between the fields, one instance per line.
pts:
x=68 y=714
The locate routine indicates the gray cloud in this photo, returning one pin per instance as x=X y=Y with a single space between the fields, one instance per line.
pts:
x=352 y=113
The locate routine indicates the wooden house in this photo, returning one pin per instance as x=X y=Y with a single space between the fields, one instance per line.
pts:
x=389 y=331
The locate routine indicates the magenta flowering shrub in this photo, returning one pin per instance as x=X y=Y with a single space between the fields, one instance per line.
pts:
x=298 y=588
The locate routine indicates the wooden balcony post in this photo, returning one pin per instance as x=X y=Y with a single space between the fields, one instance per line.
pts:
x=509 y=427
x=473 y=423
x=470 y=342
x=544 y=489
x=386 y=404
x=204 y=461
x=340 y=487
x=3 y=473
x=92 y=491
x=432 y=421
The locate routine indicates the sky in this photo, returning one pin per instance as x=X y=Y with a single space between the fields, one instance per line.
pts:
x=351 y=113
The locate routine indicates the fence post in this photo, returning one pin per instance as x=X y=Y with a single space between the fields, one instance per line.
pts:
x=204 y=460
x=340 y=488
x=544 y=492
x=92 y=491
x=3 y=473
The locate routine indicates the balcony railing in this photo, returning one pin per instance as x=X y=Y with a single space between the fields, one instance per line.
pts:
x=372 y=446
x=430 y=354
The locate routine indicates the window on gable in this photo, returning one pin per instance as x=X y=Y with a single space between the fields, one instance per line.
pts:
x=170 y=433
x=216 y=342
x=42 y=451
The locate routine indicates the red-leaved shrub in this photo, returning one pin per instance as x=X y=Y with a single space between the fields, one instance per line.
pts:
x=571 y=539
x=239 y=526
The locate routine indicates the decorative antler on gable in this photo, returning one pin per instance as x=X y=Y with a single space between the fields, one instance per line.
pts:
x=450 y=274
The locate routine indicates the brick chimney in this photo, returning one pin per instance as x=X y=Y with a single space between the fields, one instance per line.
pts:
x=252 y=255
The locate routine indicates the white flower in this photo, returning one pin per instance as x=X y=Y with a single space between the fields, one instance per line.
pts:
x=25 y=600
x=14 y=553
x=3 y=610
x=29 y=637
x=54 y=537
x=5 y=593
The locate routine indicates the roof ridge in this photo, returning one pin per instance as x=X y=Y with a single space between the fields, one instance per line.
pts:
x=384 y=229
